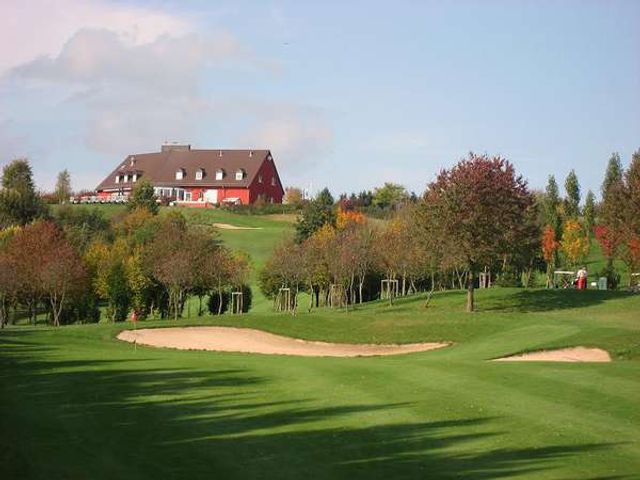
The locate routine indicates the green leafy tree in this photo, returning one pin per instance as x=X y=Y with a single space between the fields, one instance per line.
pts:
x=19 y=202
x=612 y=210
x=613 y=175
x=572 y=200
x=108 y=266
x=589 y=212
x=318 y=212
x=63 y=186
x=550 y=206
x=143 y=197
x=390 y=195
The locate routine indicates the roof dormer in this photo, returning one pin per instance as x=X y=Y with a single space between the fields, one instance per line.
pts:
x=240 y=174
x=200 y=174
x=180 y=173
x=220 y=173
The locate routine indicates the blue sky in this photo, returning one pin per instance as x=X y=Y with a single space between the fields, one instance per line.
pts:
x=346 y=94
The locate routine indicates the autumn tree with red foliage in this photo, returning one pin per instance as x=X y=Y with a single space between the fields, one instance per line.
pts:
x=608 y=241
x=46 y=267
x=479 y=206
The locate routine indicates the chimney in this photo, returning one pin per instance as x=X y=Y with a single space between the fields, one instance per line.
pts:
x=168 y=147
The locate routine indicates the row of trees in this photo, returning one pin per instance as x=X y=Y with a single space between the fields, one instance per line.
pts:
x=614 y=222
x=72 y=262
x=477 y=217
x=388 y=197
x=618 y=229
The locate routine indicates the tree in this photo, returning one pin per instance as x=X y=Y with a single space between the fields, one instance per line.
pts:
x=613 y=206
x=390 y=195
x=19 y=201
x=107 y=262
x=606 y=240
x=347 y=219
x=479 y=205
x=8 y=286
x=613 y=174
x=572 y=201
x=293 y=196
x=144 y=197
x=550 y=206
x=45 y=266
x=63 y=186
x=364 y=239
x=589 y=212
x=574 y=244
x=62 y=274
x=82 y=226
x=630 y=251
x=318 y=212
x=549 y=248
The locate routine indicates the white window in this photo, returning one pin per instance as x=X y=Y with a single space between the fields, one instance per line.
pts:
x=117 y=178
x=135 y=178
x=179 y=174
x=219 y=174
x=273 y=181
x=199 y=174
x=260 y=178
x=240 y=174
x=126 y=178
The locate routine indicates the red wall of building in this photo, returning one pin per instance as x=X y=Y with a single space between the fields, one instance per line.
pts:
x=241 y=193
x=223 y=193
x=266 y=189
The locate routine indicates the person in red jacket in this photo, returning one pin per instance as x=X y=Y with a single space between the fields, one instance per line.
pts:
x=582 y=278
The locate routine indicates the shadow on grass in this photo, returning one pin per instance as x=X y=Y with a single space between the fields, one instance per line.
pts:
x=546 y=300
x=119 y=418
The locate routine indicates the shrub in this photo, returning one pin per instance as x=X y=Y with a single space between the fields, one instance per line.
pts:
x=247 y=298
x=213 y=304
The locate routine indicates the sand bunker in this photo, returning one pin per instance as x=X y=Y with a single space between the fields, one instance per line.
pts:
x=227 y=226
x=575 y=354
x=228 y=339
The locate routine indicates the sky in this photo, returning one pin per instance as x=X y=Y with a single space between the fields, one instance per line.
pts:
x=346 y=94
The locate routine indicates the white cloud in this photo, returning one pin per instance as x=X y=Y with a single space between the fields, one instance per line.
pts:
x=296 y=136
x=135 y=95
x=34 y=28
x=130 y=78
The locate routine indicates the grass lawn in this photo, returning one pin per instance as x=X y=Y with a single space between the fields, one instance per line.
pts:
x=77 y=403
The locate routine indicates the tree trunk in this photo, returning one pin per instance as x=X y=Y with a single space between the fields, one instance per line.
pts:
x=295 y=300
x=470 y=291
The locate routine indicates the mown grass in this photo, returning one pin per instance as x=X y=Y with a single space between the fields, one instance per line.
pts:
x=76 y=403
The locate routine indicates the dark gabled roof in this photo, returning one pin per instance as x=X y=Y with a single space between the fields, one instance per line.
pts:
x=160 y=168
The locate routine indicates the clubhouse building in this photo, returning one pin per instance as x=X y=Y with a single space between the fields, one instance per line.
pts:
x=198 y=177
